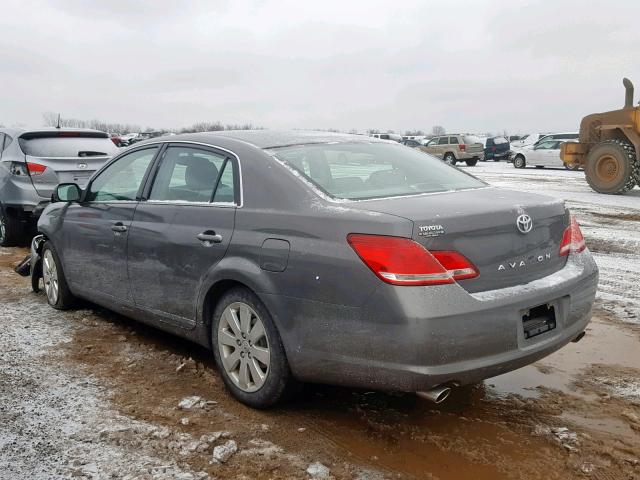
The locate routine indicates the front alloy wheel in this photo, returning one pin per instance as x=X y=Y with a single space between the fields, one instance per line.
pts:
x=50 y=277
x=244 y=347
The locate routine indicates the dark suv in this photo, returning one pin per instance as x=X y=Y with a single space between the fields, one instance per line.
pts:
x=496 y=149
x=34 y=162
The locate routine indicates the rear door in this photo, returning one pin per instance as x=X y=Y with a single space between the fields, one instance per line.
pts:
x=54 y=157
x=96 y=229
x=182 y=229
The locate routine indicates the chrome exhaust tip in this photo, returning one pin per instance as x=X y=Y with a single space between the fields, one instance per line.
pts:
x=579 y=337
x=436 y=394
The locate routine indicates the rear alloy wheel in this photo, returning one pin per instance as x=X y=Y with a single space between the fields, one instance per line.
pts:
x=612 y=167
x=519 y=162
x=9 y=230
x=450 y=158
x=248 y=350
x=55 y=284
x=572 y=166
x=471 y=162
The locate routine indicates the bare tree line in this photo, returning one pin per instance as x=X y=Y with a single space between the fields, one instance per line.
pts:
x=52 y=119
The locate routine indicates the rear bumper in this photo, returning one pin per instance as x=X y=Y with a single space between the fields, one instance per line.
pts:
x=415 y=338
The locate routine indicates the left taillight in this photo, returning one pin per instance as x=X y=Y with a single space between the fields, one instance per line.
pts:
x=401 y=261
x=35 y=169
x=462 y=147
x=572 y=239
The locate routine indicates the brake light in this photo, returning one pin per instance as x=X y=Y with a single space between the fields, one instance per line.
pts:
x=462 y=147
x=68 y=134
x=572 y=239
x=493 y=149
x=401 y=261
x=35 y=168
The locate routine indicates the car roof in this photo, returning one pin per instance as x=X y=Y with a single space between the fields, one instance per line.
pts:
x=266 y=139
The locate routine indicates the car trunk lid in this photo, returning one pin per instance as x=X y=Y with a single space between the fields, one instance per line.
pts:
x=482 y=225
x=55 y=157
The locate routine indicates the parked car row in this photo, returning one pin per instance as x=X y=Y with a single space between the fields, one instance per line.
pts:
x=545 y=153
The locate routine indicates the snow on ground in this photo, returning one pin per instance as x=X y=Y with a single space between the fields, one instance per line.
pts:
x=610 y=223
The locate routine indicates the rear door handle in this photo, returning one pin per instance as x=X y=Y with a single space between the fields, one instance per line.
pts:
x=209 y=237
x=119 y=227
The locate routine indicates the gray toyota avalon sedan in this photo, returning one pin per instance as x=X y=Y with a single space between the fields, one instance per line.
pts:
x=316 y=257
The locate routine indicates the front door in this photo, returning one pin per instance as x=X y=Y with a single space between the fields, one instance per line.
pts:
x=182 y=230
x=96 y=229
x=545 y=152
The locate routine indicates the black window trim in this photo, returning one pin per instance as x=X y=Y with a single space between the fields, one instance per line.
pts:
x=228 y=156
x=86 y=191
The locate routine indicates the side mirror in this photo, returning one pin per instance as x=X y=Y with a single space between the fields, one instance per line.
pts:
x=67 y=192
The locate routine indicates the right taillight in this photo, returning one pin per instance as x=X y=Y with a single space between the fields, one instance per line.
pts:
x=572 y=239
x=462 y=147
x=401 y=261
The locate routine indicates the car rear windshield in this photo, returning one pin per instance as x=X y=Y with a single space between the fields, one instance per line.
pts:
x=357 y=171
x=470 y=139
x=67 y=144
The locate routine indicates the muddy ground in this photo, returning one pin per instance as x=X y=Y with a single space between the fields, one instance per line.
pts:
x=91 y=394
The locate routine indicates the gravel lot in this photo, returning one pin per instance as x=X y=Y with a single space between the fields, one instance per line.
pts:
x=90 y=394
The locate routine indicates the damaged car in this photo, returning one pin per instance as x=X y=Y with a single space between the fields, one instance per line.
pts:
x=318 y=257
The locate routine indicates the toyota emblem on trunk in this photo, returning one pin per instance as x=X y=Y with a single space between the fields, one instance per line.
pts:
x=524 y=223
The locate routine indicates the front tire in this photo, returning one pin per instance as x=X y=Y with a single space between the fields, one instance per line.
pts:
x=612 y=167
x=450 y=158
x=55 y=284
x=248 y=350
x=519 y=162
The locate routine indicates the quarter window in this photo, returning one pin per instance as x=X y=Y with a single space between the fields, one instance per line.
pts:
x=122 y=179
x=453 y=140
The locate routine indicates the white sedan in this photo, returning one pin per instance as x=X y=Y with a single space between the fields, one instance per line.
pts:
x=543 y=154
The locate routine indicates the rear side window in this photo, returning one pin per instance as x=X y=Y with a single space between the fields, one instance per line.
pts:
x=443 y=140
x=453 y=140
x=66 y=146
x=193 y=175
x=361 y=171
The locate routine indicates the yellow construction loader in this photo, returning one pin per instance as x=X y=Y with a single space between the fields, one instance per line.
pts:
x=608 y=147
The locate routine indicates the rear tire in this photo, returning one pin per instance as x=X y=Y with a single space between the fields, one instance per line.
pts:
x=572 y=166
x=519 y=162
x=450 y=158
x=612 y=167
x=249 y=354
x=472 y=162
x=10 y=231
x=55 y=284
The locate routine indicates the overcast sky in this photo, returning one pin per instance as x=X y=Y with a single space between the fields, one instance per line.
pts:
x=469 y=66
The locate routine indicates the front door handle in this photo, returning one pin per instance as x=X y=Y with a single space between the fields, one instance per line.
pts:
x=209 y=237
x=119 y=227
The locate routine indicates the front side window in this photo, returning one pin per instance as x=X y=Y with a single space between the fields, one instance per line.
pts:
x=547 y=145
x=189 y=174
x=122 y=179
x=363 y=171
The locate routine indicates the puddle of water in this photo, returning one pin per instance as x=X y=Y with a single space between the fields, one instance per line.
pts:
x=604 y=343
x=611 y=425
